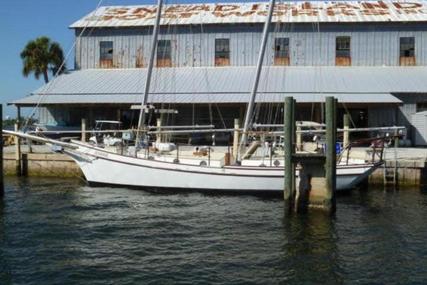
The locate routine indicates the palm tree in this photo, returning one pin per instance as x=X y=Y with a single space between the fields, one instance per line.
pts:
x=41 y=56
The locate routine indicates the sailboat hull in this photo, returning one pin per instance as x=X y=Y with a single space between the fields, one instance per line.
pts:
x=102 y=167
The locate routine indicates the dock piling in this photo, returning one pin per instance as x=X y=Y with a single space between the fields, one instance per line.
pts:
x=331 y=154
x=159 y=129
x=236 y=138
x=17 y=150
x=346 y=133
x=289 y=121
x=299 y=138
x=83 y=130
x=317 y=172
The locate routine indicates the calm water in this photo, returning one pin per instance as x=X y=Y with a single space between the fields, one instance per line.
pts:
x=63 y=232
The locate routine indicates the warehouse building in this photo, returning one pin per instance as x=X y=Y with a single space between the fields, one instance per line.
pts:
x=371 y=55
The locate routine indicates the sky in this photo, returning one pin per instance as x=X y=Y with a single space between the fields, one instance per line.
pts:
x=24 y=20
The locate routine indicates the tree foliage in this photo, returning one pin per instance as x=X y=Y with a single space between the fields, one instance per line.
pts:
x=41 y=56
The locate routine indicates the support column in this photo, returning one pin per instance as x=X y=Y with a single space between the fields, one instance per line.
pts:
x=83 y=138
x=289 y=125
x=17 y=151
x=159 y=129
x=346 y=134
x=236 y=138
x=1 y=153
x=330 y=170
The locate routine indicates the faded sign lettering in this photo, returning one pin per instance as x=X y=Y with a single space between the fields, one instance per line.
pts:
x=253 y=12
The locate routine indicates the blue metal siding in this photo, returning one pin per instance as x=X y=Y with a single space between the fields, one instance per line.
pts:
x=370 y=45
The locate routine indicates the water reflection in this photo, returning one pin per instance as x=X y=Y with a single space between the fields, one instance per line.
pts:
x=65 y=232
x=311 y=247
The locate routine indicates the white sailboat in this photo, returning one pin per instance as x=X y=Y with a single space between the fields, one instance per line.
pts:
x=103 y=167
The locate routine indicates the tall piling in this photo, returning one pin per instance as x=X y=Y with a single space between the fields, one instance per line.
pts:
x=330 y=167
x=1 y=153
x=289 y=126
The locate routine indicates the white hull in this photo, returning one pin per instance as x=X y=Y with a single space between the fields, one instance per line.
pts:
x=102 y=167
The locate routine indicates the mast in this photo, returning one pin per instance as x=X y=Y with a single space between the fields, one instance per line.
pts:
x=142 y=112
x=250 y=108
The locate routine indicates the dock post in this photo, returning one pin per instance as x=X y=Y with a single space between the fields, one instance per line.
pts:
x=330 y=171
x=346 y=134
x=299 y=138
x=159 y=128
x=1 y=152
x=289 y=175
x=236 y=138
x=83 y=130
x=17 y=151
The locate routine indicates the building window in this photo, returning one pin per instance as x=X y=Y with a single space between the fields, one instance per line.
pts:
x=222 y=52
x=407 y=51
x=164 y=53
x=106 y=54
x=281 y=51
x=342 y=51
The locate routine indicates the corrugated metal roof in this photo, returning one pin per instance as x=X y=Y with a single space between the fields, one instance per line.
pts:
x=232 y=84
x=211 y=80
x=376 y=98
x=255 y=12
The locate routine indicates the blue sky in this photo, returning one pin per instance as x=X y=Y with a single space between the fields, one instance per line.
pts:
x=23 y=20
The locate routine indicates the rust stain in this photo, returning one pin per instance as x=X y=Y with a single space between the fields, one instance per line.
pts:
x=282 y=61
x=407 y=5
x=106 y=63
x=307 y=8
x=407 y=61
x=221 y=61
x=164 y=62
x=343 y=61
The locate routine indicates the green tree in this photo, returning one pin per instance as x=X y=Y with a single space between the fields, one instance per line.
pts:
x=41 y=56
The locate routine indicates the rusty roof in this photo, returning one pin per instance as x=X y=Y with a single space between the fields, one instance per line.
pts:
x=255 y=12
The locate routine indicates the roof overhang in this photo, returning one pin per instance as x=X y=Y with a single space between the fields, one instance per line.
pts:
x=225 y=98
x=231 y=85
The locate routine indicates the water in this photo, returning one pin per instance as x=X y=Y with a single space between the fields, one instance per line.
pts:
x=63 y=232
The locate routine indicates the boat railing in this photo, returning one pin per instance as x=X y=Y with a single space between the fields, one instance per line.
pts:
x=376 y=144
